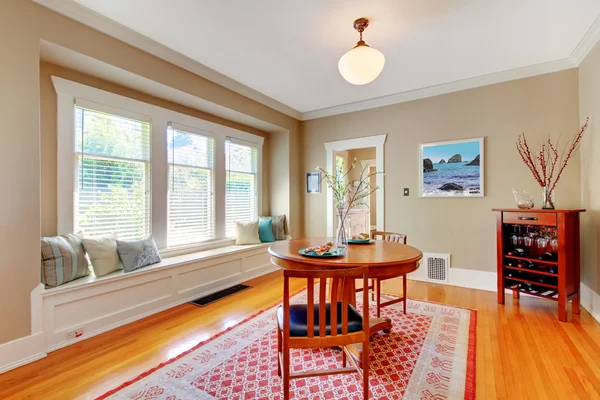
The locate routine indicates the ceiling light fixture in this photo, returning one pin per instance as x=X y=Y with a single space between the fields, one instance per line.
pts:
x=362 y=64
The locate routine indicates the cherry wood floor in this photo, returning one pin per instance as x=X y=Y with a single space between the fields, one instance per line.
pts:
x=523 y=351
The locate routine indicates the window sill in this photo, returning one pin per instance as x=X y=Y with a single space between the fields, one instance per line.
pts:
x=166 y=263
x=175 y=251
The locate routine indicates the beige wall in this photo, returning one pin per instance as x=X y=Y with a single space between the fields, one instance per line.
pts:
x=465 y=228
x=360 y=154
x=19 y=168
x=589 y=103
x=23 y=25
x=48 y=133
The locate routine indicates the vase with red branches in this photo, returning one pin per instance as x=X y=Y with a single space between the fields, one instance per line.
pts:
x=547 y=163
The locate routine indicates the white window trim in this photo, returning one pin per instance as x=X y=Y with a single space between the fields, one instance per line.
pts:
x=68 y=91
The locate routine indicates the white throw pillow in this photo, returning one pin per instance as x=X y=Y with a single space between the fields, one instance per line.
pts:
x=103 y=254
x=247 y=232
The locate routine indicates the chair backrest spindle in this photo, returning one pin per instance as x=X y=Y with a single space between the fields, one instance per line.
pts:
x=388 y=236
x=310 y=299
x=322 y=306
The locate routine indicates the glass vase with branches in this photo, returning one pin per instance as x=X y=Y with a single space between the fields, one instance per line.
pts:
x=348 y=194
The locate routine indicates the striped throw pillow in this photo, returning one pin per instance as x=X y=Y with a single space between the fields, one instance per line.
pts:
x=63 y=260
x=278 y=225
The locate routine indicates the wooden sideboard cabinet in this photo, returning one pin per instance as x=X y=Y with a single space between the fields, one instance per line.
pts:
x=538 y=254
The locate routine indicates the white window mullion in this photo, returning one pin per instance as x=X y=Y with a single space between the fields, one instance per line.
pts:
x=160 y=182
x=220 y=188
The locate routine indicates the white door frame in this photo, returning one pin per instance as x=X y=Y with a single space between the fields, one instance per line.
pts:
x=371 y=164
x=350 y=144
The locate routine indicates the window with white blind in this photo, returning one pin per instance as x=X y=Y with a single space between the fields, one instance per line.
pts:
x=241 y=198
x=136 y=169
x=191 y=187
x=112 y=188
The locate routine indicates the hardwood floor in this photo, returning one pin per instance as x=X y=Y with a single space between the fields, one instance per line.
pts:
x=523 y=351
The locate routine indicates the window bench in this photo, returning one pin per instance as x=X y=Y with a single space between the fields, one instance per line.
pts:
x=101 y=304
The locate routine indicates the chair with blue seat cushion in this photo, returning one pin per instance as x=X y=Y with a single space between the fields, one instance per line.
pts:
x=319 y=324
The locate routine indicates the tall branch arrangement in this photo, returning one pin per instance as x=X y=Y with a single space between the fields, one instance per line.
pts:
x=346 y=196
x=547 y=162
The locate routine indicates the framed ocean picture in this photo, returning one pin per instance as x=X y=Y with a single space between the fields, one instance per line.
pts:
x=452 y=169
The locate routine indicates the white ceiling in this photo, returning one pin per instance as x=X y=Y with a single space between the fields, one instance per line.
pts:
x=288 y=50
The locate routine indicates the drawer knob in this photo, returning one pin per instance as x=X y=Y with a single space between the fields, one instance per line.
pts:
x=528 y=219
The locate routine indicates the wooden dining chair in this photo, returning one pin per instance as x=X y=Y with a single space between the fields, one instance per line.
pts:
x=376 y=284
x=321 y=324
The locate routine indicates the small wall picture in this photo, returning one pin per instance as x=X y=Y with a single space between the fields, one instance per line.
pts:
x=313 y=182
x=452 y=169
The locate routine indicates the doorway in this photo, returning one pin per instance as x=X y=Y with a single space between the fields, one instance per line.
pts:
x=335 y=153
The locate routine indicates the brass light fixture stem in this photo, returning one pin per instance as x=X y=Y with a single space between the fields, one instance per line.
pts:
x=360 y=25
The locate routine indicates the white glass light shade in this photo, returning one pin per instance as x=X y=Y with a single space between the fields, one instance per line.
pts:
x=361 y=65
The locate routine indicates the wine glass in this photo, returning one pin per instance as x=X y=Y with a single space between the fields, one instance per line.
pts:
x=528 y=241
x=554 y=243
x=516 y=239
x=541 y=242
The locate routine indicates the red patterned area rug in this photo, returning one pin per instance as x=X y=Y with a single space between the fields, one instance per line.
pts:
x=429 y=355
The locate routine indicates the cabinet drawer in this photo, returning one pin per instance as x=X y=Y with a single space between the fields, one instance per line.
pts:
x=529 y=218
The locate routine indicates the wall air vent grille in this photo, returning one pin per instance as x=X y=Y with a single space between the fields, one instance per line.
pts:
x=437 y=266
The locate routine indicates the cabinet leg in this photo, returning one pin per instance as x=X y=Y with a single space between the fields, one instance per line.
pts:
x=516 y=295
x=575 y=305
x=562 y=308
x=500 y=295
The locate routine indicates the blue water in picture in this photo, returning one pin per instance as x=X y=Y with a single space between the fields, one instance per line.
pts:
x=459 y=173
x=452 y=173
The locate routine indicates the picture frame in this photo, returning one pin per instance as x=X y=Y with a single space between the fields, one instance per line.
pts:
x=453 y=168
x=313 y=182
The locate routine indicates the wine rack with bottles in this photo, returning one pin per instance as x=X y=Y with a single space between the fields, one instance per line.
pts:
x=538 y=254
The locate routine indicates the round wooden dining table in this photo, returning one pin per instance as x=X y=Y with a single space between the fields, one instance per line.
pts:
x=383 y=259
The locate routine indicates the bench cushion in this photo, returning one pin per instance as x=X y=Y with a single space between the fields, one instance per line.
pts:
x=63 y=260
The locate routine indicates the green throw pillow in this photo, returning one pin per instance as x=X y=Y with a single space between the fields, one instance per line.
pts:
x=265 y=229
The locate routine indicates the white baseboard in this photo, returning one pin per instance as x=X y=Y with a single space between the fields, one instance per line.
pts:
x=467 y=278
x=486 y=280
x=21 y=351
x=590 y=300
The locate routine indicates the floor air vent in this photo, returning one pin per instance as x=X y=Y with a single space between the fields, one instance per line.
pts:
x=211 y=298
x=437 y=266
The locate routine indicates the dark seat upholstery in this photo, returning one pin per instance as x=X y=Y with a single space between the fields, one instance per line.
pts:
x=299 y=319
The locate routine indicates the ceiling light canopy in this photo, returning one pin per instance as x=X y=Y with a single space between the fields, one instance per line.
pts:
x=362 y=64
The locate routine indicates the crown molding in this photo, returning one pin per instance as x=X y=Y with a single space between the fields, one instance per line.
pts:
x=587 y=43
x=79 y=13
x=445 y=88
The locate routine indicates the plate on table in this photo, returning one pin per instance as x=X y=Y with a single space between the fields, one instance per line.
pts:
x=329 y=254
x=360 y=241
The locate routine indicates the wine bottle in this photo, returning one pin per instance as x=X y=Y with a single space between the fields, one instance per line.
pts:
x=547 y=256
x=517 y=252
x=524 y=286
x=541 y=279
x=553 y=269
x=525 y=264
x=514 y=274
x=535 y=288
